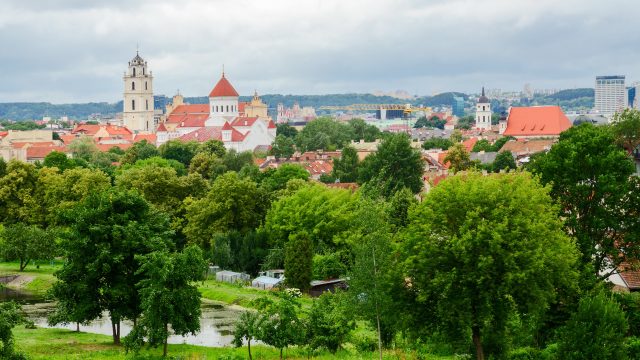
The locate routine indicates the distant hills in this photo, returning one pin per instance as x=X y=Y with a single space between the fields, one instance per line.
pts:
x=35 y=111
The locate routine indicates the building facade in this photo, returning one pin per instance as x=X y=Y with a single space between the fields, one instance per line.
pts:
x=610 y=94
x=137 y=112
x=483 y=112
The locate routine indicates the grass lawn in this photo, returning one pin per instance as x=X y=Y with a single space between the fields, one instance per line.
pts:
x=43 y=276
x=236 y=295
x=58 y=344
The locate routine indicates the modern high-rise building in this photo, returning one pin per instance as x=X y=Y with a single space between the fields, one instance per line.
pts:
x=137 y=114
x=457 y=106
x=610 y=94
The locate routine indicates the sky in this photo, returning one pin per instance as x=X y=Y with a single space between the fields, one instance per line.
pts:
x=68 y=51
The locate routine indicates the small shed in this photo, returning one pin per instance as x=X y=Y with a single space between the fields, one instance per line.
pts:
x=231 y=277
x=274 y=273
x=266 y=282
x=320 y=286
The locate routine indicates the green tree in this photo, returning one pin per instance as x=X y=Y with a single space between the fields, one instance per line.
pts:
x=59 y=160
x=168 y=295
x=456 y=136
x=482 y=145
x=25 y=243
x=10 y=316
x=209 y=166
x=458 y=158
x=590 y=178
x=232 y=203
x=298 y=262
x=179 y=150
x=626 y=129
x=246 y=329
x=83 y=148
x=280 y=326
x=329 y=322
x=324 y=133
x=504 y=160
x=18 y=194
x=235 y=161
x=436 y=143
x=481 y=249
x=277 y=180
x=595 y=331
x=283 y=147
x=394 y=166
x=498 y=144
x=3 y=167
x=139 y=151
x=364 y=131
x=107 y=231
x=214 y=147
x=345 y=168
x=286 y=130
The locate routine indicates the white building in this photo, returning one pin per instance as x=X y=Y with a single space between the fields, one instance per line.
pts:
x=610 y=94
x=483 y=112
x=137 y=112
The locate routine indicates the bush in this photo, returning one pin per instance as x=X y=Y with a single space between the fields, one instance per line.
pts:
x=633 y=348
x=524 y=353
x=596 y=331
x=549 y=353
x=364 y=341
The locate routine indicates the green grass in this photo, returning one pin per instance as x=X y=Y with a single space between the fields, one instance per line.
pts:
x=58 y=344
x=43 y=276
x=236 y=295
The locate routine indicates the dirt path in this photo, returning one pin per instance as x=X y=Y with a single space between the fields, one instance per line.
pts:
x=20 y=281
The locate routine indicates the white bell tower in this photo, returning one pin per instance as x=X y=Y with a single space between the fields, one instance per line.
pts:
x=137 y=112
x=483 y=112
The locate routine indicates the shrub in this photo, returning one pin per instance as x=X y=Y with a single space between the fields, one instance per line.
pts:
x=633 y=348
x=524 y=353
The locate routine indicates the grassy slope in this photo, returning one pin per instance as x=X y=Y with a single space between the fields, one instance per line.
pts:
x=66 y=344
x=235 y=295
x=43 y=277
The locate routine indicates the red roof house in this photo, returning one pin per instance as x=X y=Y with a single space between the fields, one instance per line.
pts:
x=536 y=121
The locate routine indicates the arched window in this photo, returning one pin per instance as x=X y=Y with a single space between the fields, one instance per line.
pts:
x=133 y=104
x=133 y=85
x=143 y=71
x=146 y=103
x=216 y=108
x=227 y=108
x=134 y=71
x=145 y=86
x=482 y=107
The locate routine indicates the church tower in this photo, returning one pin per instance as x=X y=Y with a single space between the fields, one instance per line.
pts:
x=137 y=112
x=223 y=103
x=483 y=112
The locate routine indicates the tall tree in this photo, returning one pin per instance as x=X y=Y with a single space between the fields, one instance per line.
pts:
x=298 y=262
x=214 y=147
x=590 y=178
x=626 y=129
x=283 y=147
x=10 y=316
x=139 y=151
x=286 y=130
x=458 y=158
x=504 y=161
x=58 y=159
x=364 y=131
x=168 y=295
x=179 y=150
x=394 y=166
x=483 y=248
x=25 y=243
x=18 y=189
x=107 y=231
x=280 y=326
x=324 y=133
x=247 y=329
x=346 y=167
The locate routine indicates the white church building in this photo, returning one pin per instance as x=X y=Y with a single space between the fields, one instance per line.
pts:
x=243 y=126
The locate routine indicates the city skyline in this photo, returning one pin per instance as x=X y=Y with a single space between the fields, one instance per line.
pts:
x=73 y=51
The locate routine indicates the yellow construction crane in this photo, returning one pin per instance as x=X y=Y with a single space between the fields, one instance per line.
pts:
x=407 y=108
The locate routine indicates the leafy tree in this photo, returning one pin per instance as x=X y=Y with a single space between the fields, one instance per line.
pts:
x=209 y=166
x=83 y=148
x=232 y=203
x=394 y=166
x=436 y=143
x=482 y=249
x=504 y=160
x=328 y=266
x=283 y=147
x=329 y=322
x=626 y=129
x=107 y=231
x=590 y=178
x=324 y=134
x=155 y=161
x=432 y=122
x=246 y=329
x=235 y=161
x=327 y=178
x=456 y=136
x=277 y=180
x=596 y=331
x=482 y=145
x=346 y=167
x=466 y=122
x=298 y=261
x=214 y=147
x=179 y=150
x=286 y=130
x=168 y=295
x=280 y=326
x=25 y=243
x=458 y=158
x=399 y=206
x=18 y=200
x=59 y=160
x=139 y=151
x=498 y=144
x=3 y=167
x=10 y=316
x=364 y=131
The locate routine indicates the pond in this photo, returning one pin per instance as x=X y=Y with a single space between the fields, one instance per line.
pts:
x=216 y=323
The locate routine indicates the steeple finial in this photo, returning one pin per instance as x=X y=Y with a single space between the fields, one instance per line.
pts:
x=222 y=70
x=483 y=91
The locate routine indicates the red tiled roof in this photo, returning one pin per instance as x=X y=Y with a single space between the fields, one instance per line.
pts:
x=244 y=121
x=241 y=106
x=441 y=157
x=191 y=109
x=21 y=144
x=271 y=125
x=223 y=88
x=319 y=167
x=528 y=147
x=3 y=133
x=237 y=136
x=68 y=138
x=536 y=121
x=203 y=134
x=107 y=147
x=630 y=277
x=112 y=130
x=40 y=152
x=227 y=126
x=190 y=115
x=161 y=128
x=151 y=138
x=470 y=143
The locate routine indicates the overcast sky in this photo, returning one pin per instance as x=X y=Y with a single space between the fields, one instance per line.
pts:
x=77 y=50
